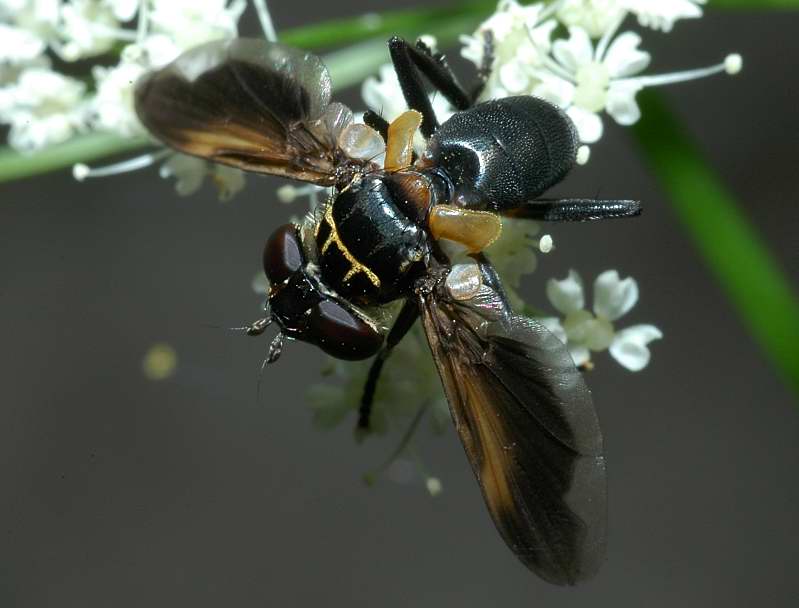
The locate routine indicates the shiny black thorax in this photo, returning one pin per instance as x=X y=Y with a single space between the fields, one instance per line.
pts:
x=371 y=241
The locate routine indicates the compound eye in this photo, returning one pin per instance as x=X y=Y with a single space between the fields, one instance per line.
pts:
x=283 y=254
x=341 y=333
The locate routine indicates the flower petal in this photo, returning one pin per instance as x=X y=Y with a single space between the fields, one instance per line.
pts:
x=514 y=77
x=630 y=349
x=554 y=326
x=19 y=45
x=589 y=125
x=624 y=58
x=614 y=297
x=621 y=104
x=566 y=295
x=580 y=355
x=554 y=90
x=574 y=52
x=596 y=16
x=188 y=171
x=661 y=14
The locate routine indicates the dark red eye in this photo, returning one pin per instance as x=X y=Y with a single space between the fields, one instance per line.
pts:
x=283 y=254
x=340 y=333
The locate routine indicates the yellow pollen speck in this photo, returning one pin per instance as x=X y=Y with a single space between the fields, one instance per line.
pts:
x=159 y=362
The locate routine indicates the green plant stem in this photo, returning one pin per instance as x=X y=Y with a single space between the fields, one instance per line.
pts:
x=729 y=244
x=753 y=4
x=408 y=22
x=84 y=148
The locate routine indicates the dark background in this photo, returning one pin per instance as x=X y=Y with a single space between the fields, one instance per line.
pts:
x=119 y=491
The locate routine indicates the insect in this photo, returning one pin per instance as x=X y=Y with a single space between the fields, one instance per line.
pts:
x=521 y=408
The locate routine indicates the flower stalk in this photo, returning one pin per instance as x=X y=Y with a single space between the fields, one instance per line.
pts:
x=731 y=247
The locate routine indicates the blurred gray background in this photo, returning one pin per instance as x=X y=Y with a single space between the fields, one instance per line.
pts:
x=119 y=491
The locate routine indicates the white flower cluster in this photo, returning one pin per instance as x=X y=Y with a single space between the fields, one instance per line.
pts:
x=44 y=106
x=595 y=69
x=585 y=331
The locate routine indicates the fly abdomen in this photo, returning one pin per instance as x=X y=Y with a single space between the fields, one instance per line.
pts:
x=503 y=152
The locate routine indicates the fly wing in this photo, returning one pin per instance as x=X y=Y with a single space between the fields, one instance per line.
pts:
x=529 y=429
x=248 y=103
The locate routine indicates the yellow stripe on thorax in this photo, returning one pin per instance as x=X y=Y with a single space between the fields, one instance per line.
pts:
x=355 y=265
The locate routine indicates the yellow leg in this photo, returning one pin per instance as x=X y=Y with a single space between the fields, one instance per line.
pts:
x=399 y=147
x=475 y=230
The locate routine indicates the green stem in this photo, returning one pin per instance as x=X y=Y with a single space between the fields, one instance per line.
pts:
x=83 y=148
x=753 y=4
x=408 y=22
x=729 y=244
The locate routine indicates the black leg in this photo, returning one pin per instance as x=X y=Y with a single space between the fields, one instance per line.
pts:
x=484 y=72
x=408 y=63
x=435 y=67
x=402 y=325
x=377 y=122
x=572 y=209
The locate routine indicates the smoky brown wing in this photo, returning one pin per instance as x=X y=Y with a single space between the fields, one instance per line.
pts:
x=529 y=429
x=248 y=103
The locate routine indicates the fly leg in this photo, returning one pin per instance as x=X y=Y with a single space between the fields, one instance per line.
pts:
x=410 y=63
x=402 y=325
x=572 y=209
x=486 y=65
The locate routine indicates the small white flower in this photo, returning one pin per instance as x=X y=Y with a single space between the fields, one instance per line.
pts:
x=43 y=108
x=587 y=79
x=289 y=193
x=38 y=17
x=10 y=73
x=585 y=82
x=192 y=22
x=599 y=16
x=661 y=14
x=88 y=28
x=124 y=10
x=584 y=331
x=18 y=45
x=520 y=38
x=594 y=16
x=165 y=29
x=383 y=95
x=113 y=103
x=190 y=172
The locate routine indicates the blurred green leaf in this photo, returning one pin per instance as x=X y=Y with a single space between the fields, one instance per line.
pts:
x=753 y=4
x=408 y=22
x=729 y=244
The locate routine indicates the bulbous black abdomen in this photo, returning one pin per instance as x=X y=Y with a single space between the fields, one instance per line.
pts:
x=370 y=251
x=503 y=152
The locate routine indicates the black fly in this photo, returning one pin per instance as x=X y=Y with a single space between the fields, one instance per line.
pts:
x=522 y=410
